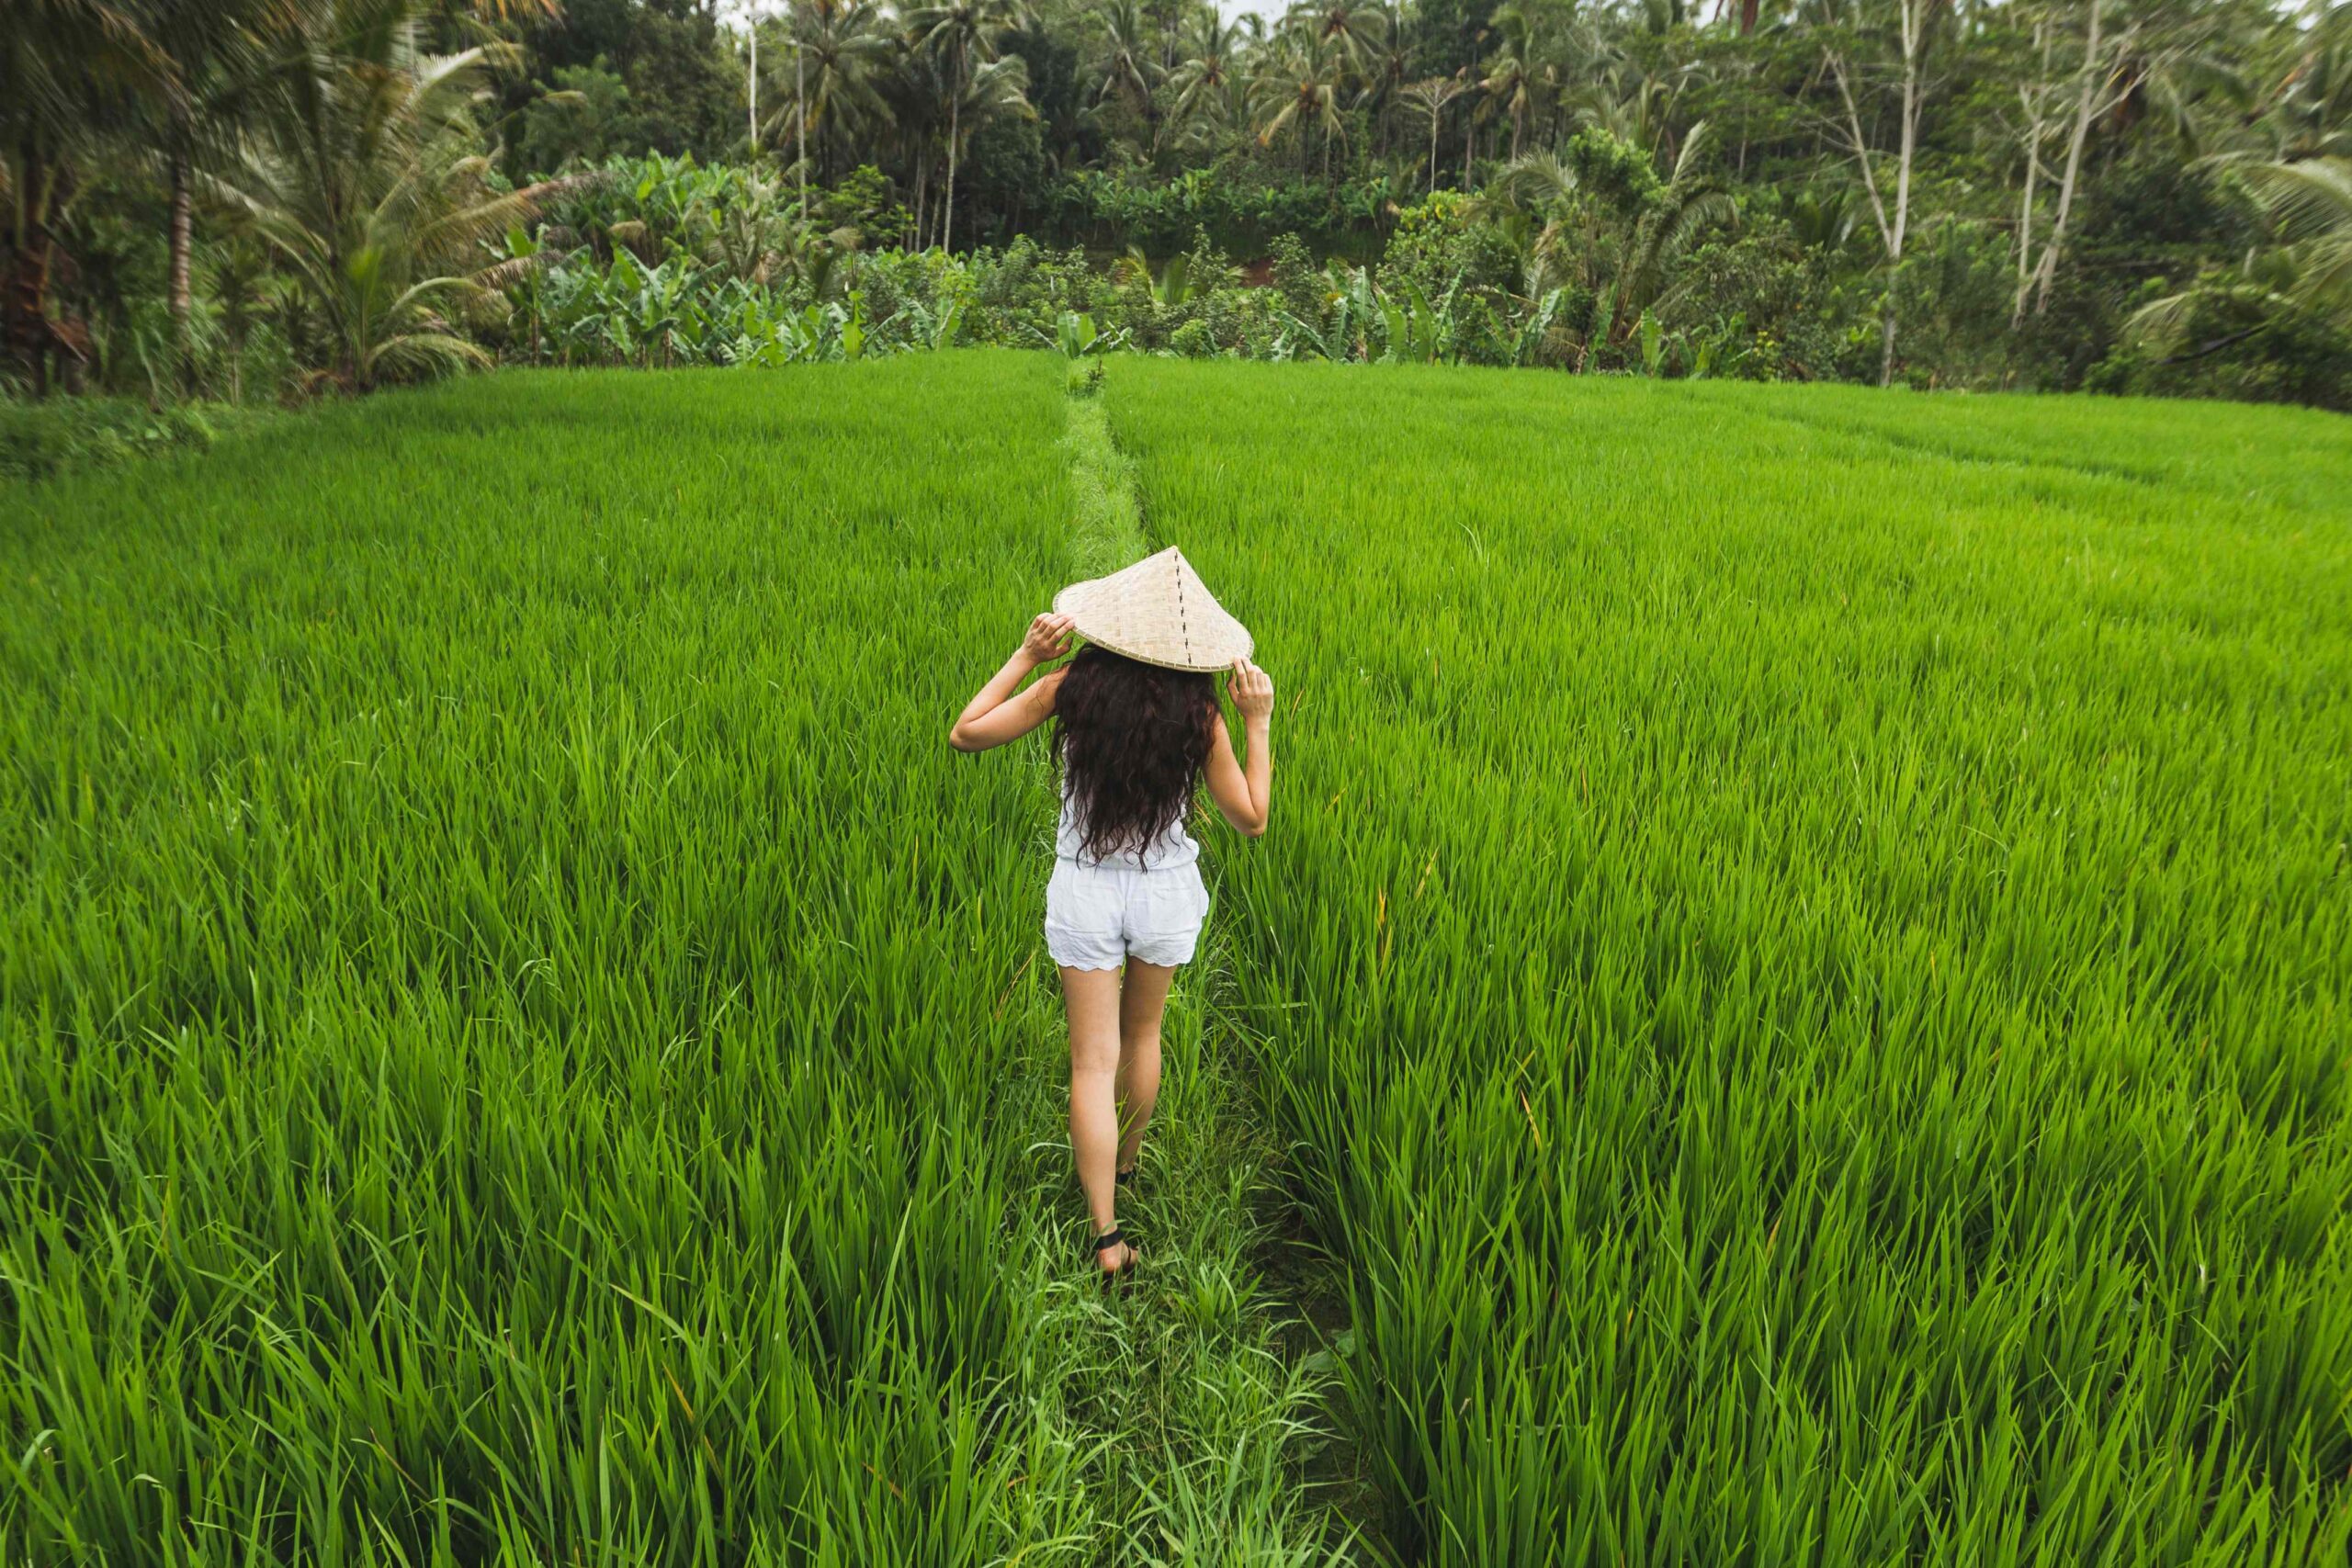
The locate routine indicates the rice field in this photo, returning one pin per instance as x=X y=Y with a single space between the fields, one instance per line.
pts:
x=1805 y=954
x=1793 y=1010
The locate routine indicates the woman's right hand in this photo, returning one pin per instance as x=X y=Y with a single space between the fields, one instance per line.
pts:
x=1048 y=639
x=1252 y=689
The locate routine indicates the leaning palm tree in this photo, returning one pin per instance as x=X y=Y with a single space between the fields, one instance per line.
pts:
x=965 y=35
x=2311 y=203
x=1693 y=202
x=367 y=181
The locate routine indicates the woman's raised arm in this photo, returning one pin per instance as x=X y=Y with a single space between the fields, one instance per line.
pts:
x=1244 y=793
x=1000 y=711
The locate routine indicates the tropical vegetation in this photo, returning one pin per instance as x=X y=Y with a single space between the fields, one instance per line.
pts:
x=269 y=196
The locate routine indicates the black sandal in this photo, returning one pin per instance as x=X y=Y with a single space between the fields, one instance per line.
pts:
x=1111 y=1238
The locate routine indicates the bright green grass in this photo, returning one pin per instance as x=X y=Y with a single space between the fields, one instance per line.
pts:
x=522 y=1043
x=1805 y=943
x=500 y=1054
x=1802 y=960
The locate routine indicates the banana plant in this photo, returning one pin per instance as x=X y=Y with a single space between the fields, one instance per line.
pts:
x=1537 y=326
x=1418 y=332
x=1077 y=336
x=1173 y=286
x=932 y=327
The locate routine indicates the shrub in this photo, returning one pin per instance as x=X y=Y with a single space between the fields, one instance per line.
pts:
x=39 y=440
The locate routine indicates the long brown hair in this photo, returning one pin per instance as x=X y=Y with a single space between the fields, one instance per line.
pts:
x=1131 y=739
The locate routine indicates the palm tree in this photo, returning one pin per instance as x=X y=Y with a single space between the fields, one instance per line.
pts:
x=1298 y=87
x=1347 y=29
x=1385 y=69
x=1208 y=69
x=368 y=182
x=2311 y=203
x=1693 y=202
x=71 y=72
x=1124 y=67
x=961 y=33
x=2309 y=114
x=220 y=59
x=1620 y=242
x=1511 y=82
x=838 y=48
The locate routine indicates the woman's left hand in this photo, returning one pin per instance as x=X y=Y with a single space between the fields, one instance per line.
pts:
x=1253 y=690
x=1049 y=637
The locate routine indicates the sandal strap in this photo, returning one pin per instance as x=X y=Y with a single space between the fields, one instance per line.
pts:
x=1107 y=1239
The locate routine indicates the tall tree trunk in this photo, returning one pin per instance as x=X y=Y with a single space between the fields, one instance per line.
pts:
x=1433 y=150
x=1909 y=148
x=1747 y=18
x=2025 y=235
x=179 y=294
x=24 y=311
x=28 y=313
x=1893 y=225
x=800 y=117
x=1886 y=333
x=752 y=92
x=2036 y=130
x=2083 y=114
x=947 y=227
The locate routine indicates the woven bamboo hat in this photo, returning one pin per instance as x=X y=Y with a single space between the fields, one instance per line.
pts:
x=1156 y=611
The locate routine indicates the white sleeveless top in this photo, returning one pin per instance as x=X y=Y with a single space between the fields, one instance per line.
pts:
x=1173 y=848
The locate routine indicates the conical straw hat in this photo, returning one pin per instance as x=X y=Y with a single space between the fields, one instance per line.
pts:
x=1156 y=611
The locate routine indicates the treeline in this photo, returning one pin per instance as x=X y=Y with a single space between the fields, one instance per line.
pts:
x=254 y=198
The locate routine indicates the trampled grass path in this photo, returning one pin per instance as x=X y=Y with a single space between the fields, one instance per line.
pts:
x=1201 y=1391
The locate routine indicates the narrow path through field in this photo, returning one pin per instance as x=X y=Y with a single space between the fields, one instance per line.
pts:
x=1196 y=1401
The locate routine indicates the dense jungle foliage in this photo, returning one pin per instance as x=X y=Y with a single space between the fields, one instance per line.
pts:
x=267 y=197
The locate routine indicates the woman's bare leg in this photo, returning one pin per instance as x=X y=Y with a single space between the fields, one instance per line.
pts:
x=1092 y=998
x=1142 y=1001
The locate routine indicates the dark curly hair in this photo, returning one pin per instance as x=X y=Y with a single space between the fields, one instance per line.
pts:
x=1131 y=739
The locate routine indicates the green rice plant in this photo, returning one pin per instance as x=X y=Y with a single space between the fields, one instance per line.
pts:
x=522 y=1044
x=1803 y=954
x=1800 y=972
x=505 y=1059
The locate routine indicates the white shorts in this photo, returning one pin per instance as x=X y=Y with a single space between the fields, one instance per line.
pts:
x=1097 y=917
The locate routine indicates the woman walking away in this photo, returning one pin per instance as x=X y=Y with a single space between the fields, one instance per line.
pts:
x=1138 y=728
